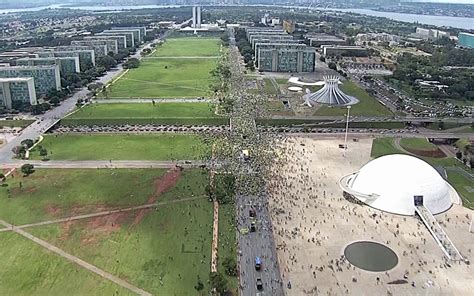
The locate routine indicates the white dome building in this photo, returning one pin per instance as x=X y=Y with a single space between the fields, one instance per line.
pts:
x=391 y=183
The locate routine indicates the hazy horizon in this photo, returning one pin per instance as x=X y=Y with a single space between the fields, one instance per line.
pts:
x=158 y=1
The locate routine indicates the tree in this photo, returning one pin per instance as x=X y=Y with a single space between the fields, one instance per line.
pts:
x=199 y=285
x=332 y=66
x=27 y=169
x=230 y=266
x=19 y=151
x=146 y=51
x=43 y=153
x=131 y=63
x=218 y=282
x=106 y=62
x=28 y=143
x=2 y=177
x=441 y=125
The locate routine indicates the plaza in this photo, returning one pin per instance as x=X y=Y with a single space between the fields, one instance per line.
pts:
x=313 y=223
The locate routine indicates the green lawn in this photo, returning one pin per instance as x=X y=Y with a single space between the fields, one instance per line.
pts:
x=189 y=46
x=384 y=146
x=123 y=147
x=227 y=239
x=160 y=110
x=28 y=269
x=57 y=193
x=145 y=113
x=173 y=240
x=269 y=88
x=15 y=123
x=417 y=144
x=164 y=78
x=461 y=184
x=164 y=253
x=367 y=105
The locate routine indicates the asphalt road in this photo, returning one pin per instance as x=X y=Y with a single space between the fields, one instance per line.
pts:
x=260 y=243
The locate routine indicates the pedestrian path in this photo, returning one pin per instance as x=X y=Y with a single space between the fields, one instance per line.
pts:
x=442 y=239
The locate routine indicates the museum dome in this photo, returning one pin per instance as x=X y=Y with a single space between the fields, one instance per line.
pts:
x=390 y=183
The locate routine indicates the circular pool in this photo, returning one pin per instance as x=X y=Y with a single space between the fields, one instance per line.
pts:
x=371 y=256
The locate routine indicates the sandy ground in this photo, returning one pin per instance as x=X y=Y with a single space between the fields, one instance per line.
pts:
x=313 y=223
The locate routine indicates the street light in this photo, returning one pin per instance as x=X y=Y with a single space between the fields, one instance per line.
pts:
x=347 y=129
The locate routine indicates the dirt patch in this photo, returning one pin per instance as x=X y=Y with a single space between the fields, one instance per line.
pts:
x=436 y=153
x=66 y=230
x=53 y=210
x=161 y=185
x=24 y=190
x=107 y=224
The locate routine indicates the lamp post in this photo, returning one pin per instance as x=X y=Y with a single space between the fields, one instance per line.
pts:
x=347 y=129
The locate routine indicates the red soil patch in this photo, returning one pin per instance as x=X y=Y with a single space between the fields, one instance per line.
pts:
x=104 y=225
x=435 y=153
x=161 y=185
x=18 y=190
x=53 y=210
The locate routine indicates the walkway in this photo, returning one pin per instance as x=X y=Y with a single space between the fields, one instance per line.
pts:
x=97 y=164
x=215 y=237
x=98 y=214
x=438 y=234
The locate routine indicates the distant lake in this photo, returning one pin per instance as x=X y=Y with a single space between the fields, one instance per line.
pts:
x=440 y=21
x=90 y=8
x=435 y=20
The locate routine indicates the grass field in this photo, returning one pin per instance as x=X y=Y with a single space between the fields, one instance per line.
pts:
x=15 y=123
x=164 y=78
x=160 y=110
x=461 y=184
x=367 y=105
x=227 y=239
x=193 y=46
x=28 y=269
x=418 y=144
x=173 y=240
x=161 y=76
x=163 y=254
x=269 y=88
x=123 y=147
x=161 y=113
x=56 y=193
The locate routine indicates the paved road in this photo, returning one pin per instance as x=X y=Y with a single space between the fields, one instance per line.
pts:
x=47 y=120
x=93 y=164
x=260 y=243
